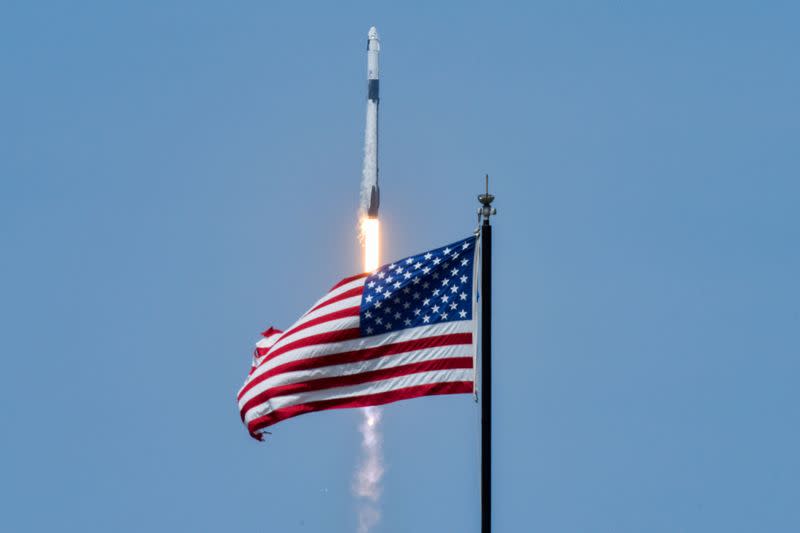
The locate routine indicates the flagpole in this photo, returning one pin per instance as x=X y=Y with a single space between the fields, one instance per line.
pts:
x=485 y=212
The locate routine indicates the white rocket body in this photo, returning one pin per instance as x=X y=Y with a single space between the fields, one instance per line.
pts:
x=370 y=192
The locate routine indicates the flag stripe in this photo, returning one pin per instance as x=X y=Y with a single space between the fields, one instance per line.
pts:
x=375 y=363
x=353 y=301
x=354 y=356
x=345 y=281
x=341 y=287
x=355 y=291
x=449 y=363
x=409 y=380
x=375 y=342
x=380 y=398
x=341 y=313
x=340 y=329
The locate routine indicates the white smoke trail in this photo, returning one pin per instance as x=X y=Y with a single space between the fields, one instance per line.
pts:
x=367 y=483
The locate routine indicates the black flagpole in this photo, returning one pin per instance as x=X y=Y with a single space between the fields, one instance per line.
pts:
x=485 y=212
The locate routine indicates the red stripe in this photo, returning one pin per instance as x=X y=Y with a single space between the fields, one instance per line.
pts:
x=339 y=297
x=452 y=387
x=320 y=338
x=342 y=313
x=270 y=332
x=449 y=363
x=345 y=281
x=364 y=354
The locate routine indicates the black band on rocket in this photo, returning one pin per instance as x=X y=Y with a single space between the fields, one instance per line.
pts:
x=374 y=88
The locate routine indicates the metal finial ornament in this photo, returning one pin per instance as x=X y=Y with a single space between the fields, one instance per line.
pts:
x=486 y=199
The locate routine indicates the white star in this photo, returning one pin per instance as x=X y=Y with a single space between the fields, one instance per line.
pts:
x=387 y=310
x=377 y=304
x=426 y=285
x=465 y=246
x=445 y=282
x=388 y=325
x=397 y=316
x=437 y=261
x=454 y=288
x=379 y=320
x=445 y=298
x=416 y=295
x=428 y=256
x=398 y=270
x=369 y=331
x=417 y=264
x=371 y=284
x=387 y=294
x=426 y=270
x=426 y=319
x=435 y=308
x=464 y=262
x=444 y=316
x=389 y=279
x=407 y=322
x=407 y=275
x=463 y=279
x=368 y=314
x=435 y=275
x=368 y=298
x=427 y=301
x=436 y=292
x=453 y=306
x=455 y=255
x=416 y=312
x=463 y=296
x=406 y=290
x=379 y=290
x=391 y=267
x=396 y=284
x=409 y=260
x=446 y=251
x=406 y=305
x=415 y=281
x=454 y=272
x=462 y=314
x=381 y=275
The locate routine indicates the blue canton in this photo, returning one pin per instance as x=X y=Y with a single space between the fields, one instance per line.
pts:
x=420 y=290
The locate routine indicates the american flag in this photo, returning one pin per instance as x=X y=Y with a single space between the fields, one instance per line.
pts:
x=407 y=330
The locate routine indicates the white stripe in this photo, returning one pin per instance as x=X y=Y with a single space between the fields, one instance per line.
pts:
x=339 y=290
x=373 y=387
x=266 y=342
x=355 y=301
x=337 y=324
x=347 y=369
x=331 y=348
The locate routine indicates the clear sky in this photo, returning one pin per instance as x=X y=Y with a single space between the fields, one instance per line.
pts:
x=176 y=176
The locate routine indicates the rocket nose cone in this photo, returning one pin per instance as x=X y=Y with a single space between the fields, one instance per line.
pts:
x=373 y=33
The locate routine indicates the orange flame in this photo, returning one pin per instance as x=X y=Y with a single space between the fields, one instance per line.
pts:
x=370 y=229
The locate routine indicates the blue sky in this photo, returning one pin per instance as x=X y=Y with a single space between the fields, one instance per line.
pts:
x=176 y=176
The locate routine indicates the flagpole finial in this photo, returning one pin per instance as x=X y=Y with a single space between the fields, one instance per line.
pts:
x=486 y=199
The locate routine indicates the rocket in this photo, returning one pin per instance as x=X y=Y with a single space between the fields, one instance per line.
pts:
x=371 y=194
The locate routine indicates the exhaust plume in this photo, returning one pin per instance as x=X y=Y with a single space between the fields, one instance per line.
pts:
x=367 y=486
